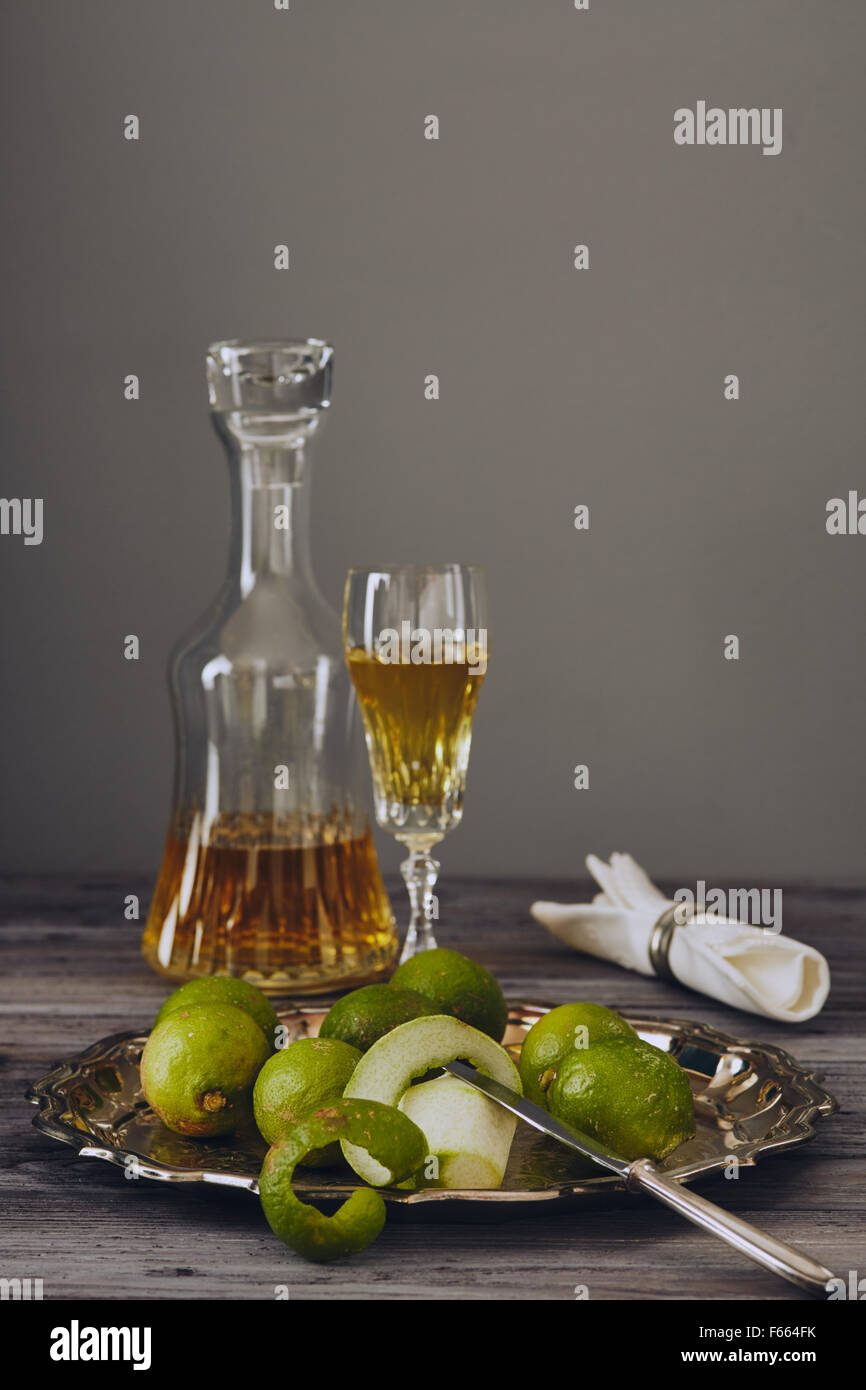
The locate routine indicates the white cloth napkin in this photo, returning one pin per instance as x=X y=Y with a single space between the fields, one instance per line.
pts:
x=744 y=966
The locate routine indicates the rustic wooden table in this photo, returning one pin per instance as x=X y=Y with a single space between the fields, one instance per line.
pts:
x=72 y=974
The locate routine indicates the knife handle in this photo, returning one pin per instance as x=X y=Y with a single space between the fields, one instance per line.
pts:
x=755 y=1244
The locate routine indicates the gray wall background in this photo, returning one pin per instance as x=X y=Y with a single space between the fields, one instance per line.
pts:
x=558 y=387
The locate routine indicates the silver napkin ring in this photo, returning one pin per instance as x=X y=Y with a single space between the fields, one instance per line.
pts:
x=662 y=936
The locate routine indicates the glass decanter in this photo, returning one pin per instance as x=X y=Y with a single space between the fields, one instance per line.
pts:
x=269 y=870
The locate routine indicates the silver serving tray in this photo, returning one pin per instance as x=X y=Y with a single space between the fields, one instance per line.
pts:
x=751 y=1099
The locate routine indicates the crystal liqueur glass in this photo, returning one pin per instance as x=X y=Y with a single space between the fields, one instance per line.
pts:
x=415 y=638
x=269 y=870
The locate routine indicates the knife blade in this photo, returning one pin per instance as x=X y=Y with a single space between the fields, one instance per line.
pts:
x=540 y=1119
x=641 y=1175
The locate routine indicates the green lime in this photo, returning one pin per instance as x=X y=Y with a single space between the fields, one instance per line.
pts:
x=367 y=1014
x=307 y=1074
x=381 y=1131
x=199 y=1066
x=457 y=986
x=630 y=1095
x=408 y=1052
x=562 y=1030
x=223 y=989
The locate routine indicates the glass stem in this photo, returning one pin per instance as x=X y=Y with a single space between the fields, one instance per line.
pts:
x=420 y=871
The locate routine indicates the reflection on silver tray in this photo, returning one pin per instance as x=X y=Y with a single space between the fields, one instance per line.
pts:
x=751 y=1099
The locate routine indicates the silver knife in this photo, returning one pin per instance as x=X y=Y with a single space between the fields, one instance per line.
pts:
x=641 y=1175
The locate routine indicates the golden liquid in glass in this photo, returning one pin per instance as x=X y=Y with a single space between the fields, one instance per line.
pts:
x=287 y=907
x=418 y=721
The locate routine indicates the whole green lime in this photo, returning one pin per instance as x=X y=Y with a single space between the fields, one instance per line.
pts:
x=301 y=1078
x=367 y=1014
x=456 y=985
x=223 y=989
x=630 y=1095
x=559 y=1032
x=199 y=1066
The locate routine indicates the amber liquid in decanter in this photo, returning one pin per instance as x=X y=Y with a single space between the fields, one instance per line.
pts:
x=284 y=905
